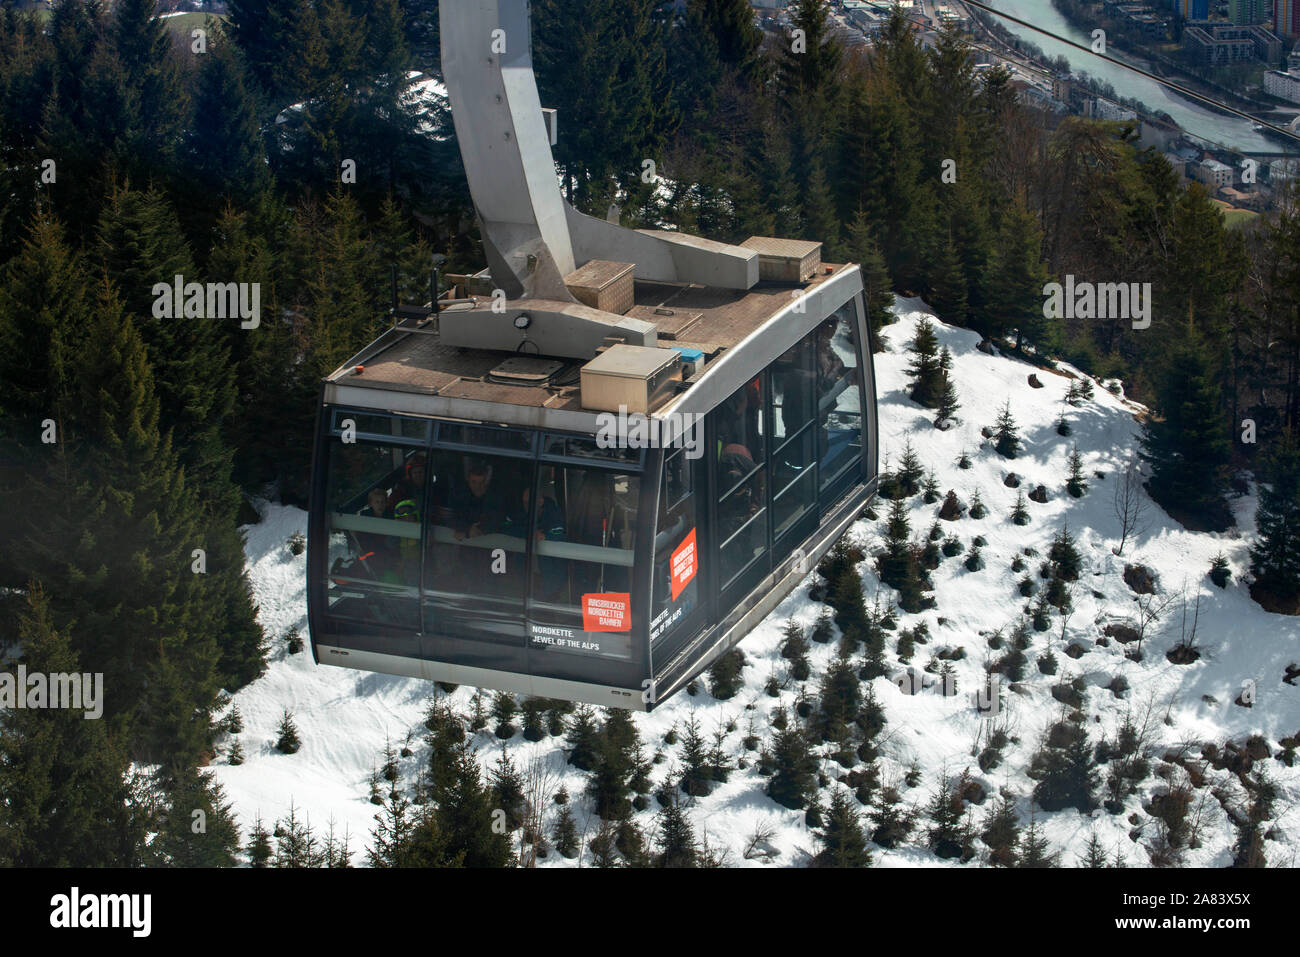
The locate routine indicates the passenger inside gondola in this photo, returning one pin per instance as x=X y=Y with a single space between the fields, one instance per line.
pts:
x=408 y=549
x=411 y=484
x=550 y=579
x=376 y=553
x=476 y=508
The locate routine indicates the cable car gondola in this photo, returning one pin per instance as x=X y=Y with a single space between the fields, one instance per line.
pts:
x=589 y=470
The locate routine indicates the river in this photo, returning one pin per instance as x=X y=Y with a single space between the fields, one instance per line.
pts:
x=1196 y=120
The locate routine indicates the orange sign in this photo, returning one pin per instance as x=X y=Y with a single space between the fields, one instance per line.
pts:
x=683 y=565
x=610 y=611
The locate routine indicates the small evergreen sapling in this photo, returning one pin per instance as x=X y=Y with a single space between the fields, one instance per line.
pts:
x=1076 y=484
x=1006 y=438
x=1220 y=571
x=926 y=379
x=725 y=674
x=504 y=709
x=910 y=471
x=794 y=646
x=948 y=404
x=288 y=741
x=930 y=488
x=1019 y=513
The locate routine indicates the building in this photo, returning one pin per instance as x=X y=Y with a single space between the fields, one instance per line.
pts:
x=1222 y=44
x=1285 y=86
x=1212 y=173
x=1293 y=60
x=1106 y=110
x=1286 y=18
x=1283 y=170
x=864 y=16
x=1244 y=12
x=1144 y=20
x=948 y=16
x=1193 y=9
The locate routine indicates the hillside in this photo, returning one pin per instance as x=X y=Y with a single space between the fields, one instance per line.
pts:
x=345 y=718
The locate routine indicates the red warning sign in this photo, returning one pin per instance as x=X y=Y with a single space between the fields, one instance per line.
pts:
x=610 y=611
x=683 y=564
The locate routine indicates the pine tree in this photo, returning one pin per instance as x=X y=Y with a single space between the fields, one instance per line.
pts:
x=392 y=833
x=507 y=788
x=602 y=64
x=296 y=844
x=794 y=647
x=504 y=709
x=1064 y=769
x=838 y=702
x=1002 y=832
x=676 y=838
x=1062 y=557
x=726 y=675
x=287 y=741
x=865 y=251
x=892 y=565
x=583 y=739
x=565 y=834
x=910 y=470
x=1006 y=437
x=1094 y=855
x=697 y=777
x=1019 y=513
x=924 y=371
x=1016 y=284
x=1275 y=557
x=465 y=816
x=891 y=823
x=1187 y=444
x=224 y=151
x=843 y=843
x=947 y=392
x=446 y=735
x=610 y=785
x=1076 y=484
x=1034 y=849
x=259 y=845
x=949 y=836
x=793 y=779
x=109 y=529
x=199 y=829
x=822 y=632
x=948 y=285
x=64 y=780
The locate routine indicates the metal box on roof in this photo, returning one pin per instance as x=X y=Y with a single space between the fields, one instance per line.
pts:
x=604 y=285
x=785 y=260
x=629 y=378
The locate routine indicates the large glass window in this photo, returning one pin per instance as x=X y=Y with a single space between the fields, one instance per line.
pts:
x=677 y=555
x=839 y=398
x=584 y=537
x=741 y=481
x=794 y=460
x=475 y=567
x=374 y=533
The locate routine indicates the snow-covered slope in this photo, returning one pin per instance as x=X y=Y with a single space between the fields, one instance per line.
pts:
x=345 y=718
